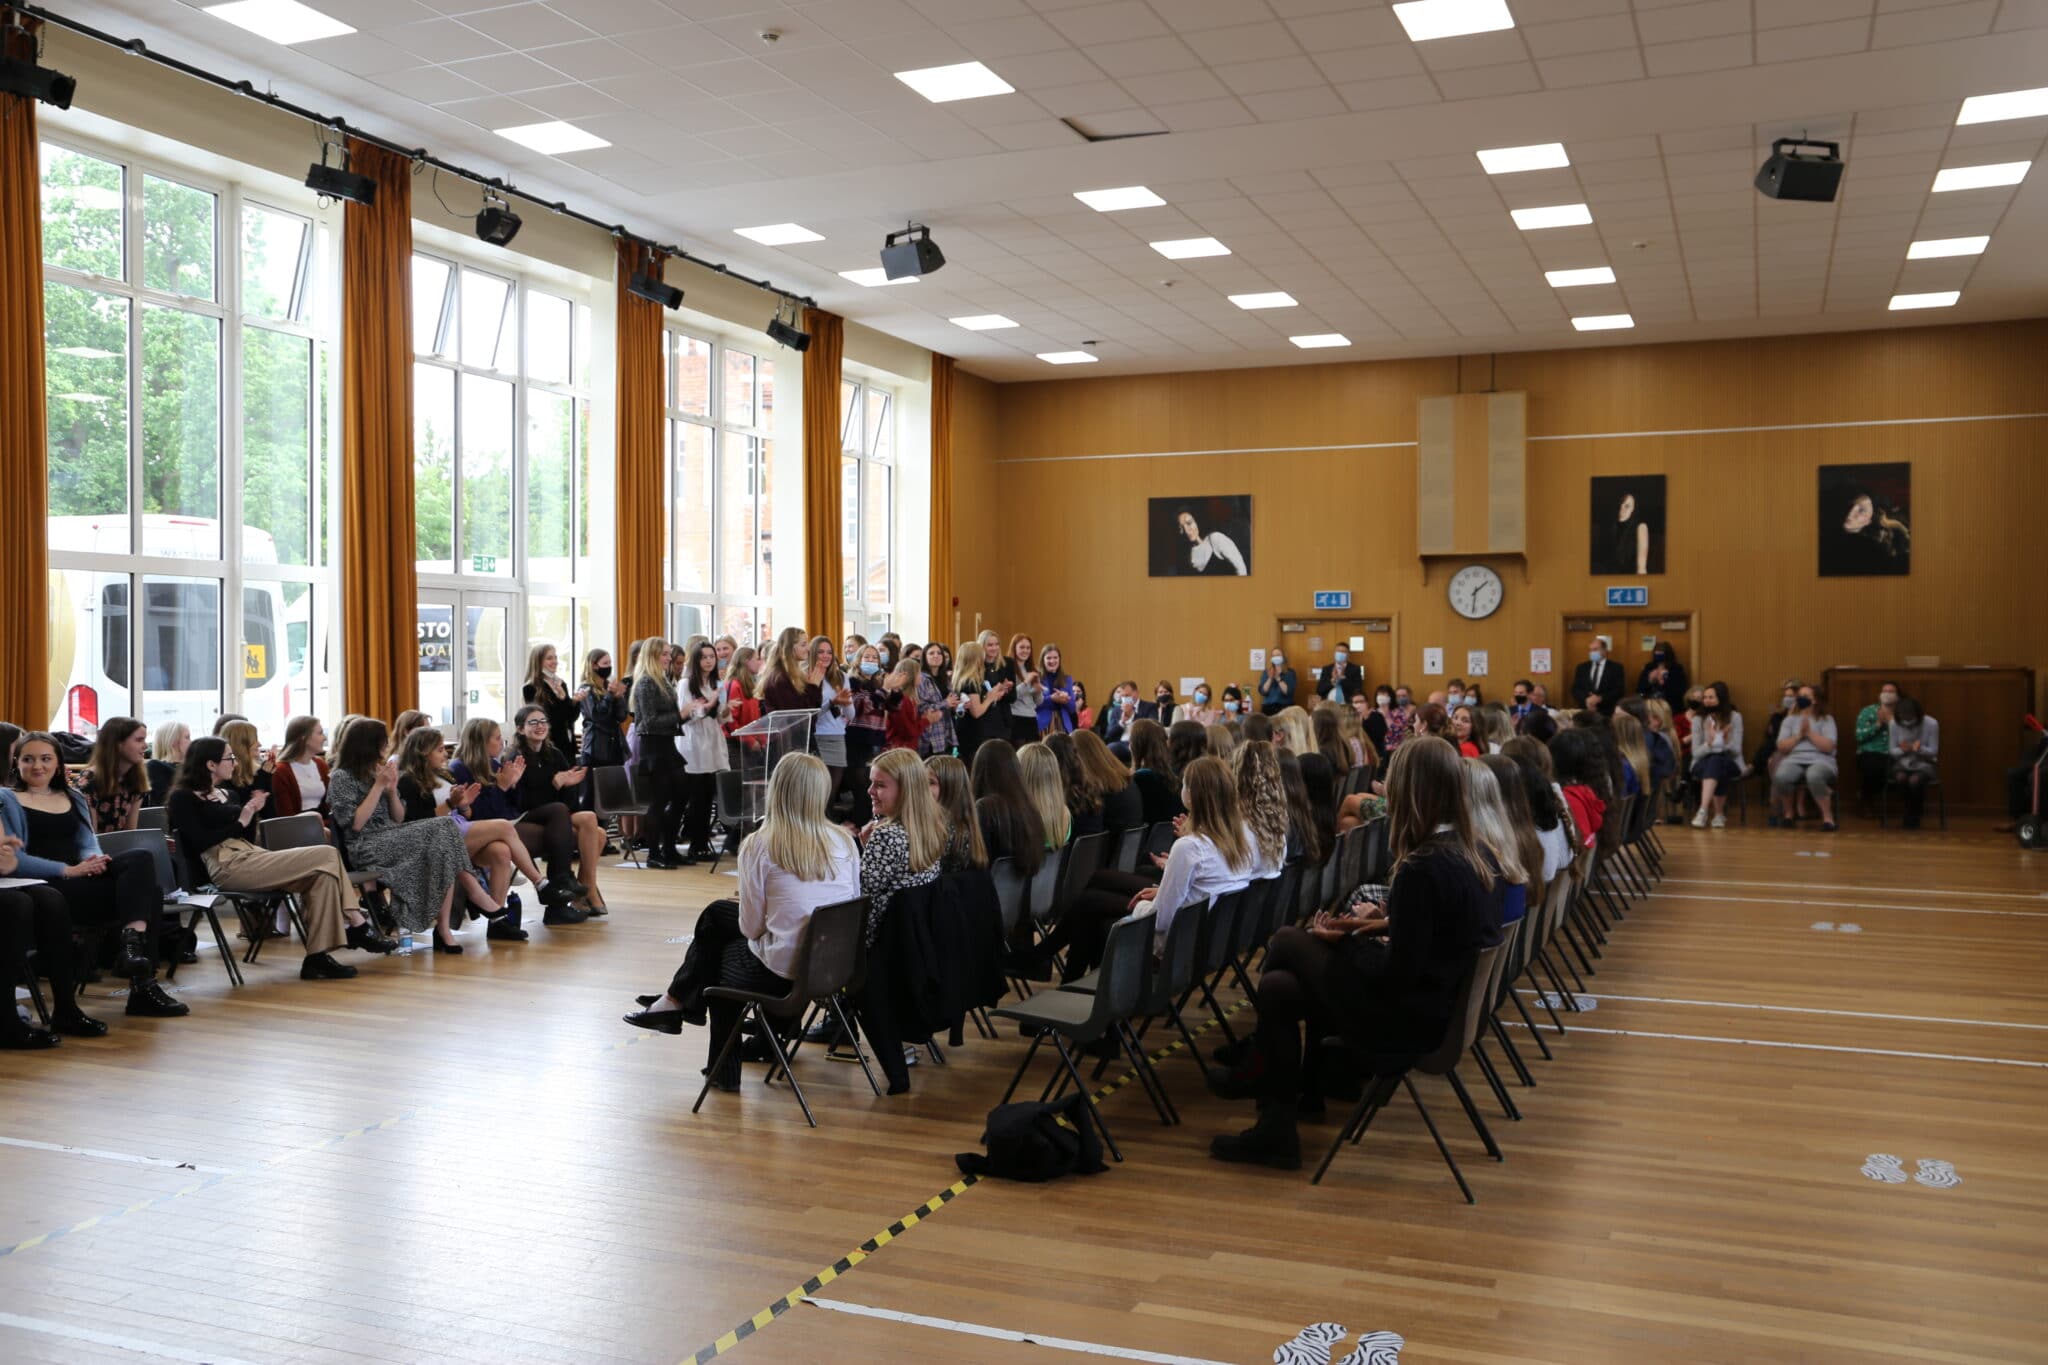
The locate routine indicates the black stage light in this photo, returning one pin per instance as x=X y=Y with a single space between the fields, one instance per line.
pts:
x=339 y=182
x=788 y=333
x=25 y=78
x=654 y=289
x=918 y=256
x=497 y=223
x=1793 y=174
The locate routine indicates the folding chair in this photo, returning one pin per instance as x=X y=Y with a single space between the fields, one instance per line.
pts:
x=1129 y=845
x=198 y=901
x=826 y=961
x=612 y=796
x=732 y=815
x=305 y=830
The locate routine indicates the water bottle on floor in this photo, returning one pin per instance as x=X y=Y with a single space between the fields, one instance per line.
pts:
x=405 y=943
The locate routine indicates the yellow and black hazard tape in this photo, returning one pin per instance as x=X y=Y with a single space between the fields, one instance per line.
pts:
x=832 y=1272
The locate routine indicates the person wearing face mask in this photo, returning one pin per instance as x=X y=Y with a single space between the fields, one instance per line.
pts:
x=1766 y=756
x=1806 y=754
x=1341 y=679
x=1663 y=676
x=1276 y=685
x=604 y=713
x=1115 y=720
x=1597 y=683
x=1233 y=705
x=1454 y=695
x=1200 y=710
x=1873 y=743
x=1915 y=750
x=1386 y=725
x=1160 y=708
x=1522 y=705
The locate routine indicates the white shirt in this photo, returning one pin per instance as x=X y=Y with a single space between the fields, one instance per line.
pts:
x=702 y=742
x=775 y=905
x=831 y=721
x=1557 y=851
x=1212 y=545
x=1196 y=871
x=311 y=789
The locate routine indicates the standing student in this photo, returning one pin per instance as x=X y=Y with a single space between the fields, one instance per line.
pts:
x=1061 y=697
x=835 y=706
x=938 y=665
x=218 y=830
x=904 y=715
x=419 y=860
x=602 y=704
x=56 y=843
x=704 y=756
x=299 y=783
x=658 y=719
x=546 y=688
x=166 y=752
x=785 y=684
x=1026 y=692
x=936 y=703
x=978 y=714
x=1806 y=753
x=117 y=782
x=867 y=726
x=740 y=707
x=1276 y=685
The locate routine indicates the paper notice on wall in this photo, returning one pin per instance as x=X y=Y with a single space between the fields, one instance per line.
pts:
x=1475 y=663
x=1433 y=661
x=1315 y=644
x=1649 y=643
x=1357 y=643
x=1539 y=661
x=1258 y=658
x=1188 y=685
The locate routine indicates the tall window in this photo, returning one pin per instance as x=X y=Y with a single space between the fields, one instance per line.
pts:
x=501 y=474
x=188 y=333
x=721 y=559
x=867 y=505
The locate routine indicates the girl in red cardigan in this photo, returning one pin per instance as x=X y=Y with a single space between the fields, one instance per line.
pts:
x=300 y=781
x=902 y=723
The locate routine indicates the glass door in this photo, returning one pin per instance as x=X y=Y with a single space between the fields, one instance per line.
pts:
x=467 y=657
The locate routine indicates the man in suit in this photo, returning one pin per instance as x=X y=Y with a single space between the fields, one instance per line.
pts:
x=1342 y=680
x=1597 y=683
x=1115 y=718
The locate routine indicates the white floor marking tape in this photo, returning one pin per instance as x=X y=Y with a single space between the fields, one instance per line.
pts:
x=1846 y=886
x=1854 y=905
x=164 y=1162
x=1800 y=1047
x=70 y=1332
x=974 y=1329
x=1804 y=1009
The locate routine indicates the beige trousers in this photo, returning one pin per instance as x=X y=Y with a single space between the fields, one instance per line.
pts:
x=314 y=875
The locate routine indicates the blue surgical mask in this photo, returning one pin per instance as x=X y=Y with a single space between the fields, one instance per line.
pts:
x=1342 y=658
x=868 y=668
x=1201 y=698
x=1596 y=655
x=1456 y=698
x=1231 y=707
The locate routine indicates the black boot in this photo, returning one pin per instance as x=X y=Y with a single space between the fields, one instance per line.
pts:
x=150 y=1001
x=135 y=957
x=366 y=938
x=323 y=967
x=1272 y=1141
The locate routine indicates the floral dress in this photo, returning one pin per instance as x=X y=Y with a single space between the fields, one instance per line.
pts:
x=418 y=860
x=885 y=869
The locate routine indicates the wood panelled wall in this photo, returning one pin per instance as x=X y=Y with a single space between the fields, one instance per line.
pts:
x=1054 y=544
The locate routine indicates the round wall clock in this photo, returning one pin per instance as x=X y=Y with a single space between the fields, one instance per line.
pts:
x=1475 y=592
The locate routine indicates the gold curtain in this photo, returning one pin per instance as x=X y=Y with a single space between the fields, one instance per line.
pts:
x=824 y=573
x=30 y=688
x=638 y=508
x=941 y=624
x=379 y=612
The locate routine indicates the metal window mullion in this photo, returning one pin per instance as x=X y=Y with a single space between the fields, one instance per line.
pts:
x=131 y=249
x=232 y=468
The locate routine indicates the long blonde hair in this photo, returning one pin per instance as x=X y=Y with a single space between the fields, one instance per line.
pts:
x=533 y=669
x=404 y=724
x=969 y=669
x=473 y=747
x=1214 y=812
x=785 y=659
x=1263 y=798
x=164 y=744
x=1291 y=731
x=956 y=804
x=241 y=737
x=652 y=665
x=1490 y=828
x=1629 y=737
x=1047 y=789
x=795 y=833
x=917 y=810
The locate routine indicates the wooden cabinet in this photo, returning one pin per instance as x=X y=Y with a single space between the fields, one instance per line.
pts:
x=1980 y=711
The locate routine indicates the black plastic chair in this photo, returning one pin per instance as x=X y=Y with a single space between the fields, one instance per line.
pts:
x=612 y=796
x=170 y=877
x=732 y=815
x=1892 y=784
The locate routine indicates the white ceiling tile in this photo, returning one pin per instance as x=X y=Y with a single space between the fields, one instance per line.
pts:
x=1244 y=43
x=1591 y=68
x=443 y=41
x=1316 y=102
x=1221 y=113
x=1013 y=36
x=1478 y=49
x=1144 y=57
x=851 y=19
x=1813 y=40
x=1121 y=21
x=591 y=60
x=1397 y=93
x=494 y=112
x=1484 y=82
x=1700 y=54
x=1175 y=87
x=1280 y=73
x=2018 y=14
x=1934 y=25
x=1788 y=13
x=1700 y=19
x=1369 y=63
x=1602 y=33
x=572 y=101
x=508 y=73
x=361 y=54
x=524 y=26
x=1087 y=97
x=616 y=16
x=431 y=85
x=1189 y=16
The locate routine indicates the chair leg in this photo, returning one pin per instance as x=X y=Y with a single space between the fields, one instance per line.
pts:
x=731 y=1041
x=1500 y=1091
x=1472 y=1113
x=1147 y=1077
x=1528 y=1021
x=782 y=1061
x=1095 y=1110
x=1354 y=1126
x=1449 y=1160
x=1507 y=1045
x=1193 y=1051
x=1022 y=1067
x=846 y=1026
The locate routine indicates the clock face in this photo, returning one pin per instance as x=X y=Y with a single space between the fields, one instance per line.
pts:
x=1475 y=592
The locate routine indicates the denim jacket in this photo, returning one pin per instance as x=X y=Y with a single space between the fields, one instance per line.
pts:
x=14 y=821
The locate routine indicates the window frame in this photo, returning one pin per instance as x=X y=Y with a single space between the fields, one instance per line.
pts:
x=714 y=601
x=855 y=606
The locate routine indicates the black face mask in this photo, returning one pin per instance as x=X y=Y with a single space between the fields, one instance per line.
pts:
x=1696 y=707
x=603 y=673
x=1521 y=698
x=1803 y=703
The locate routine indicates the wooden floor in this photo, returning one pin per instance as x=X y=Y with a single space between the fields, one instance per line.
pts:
x=472 y=1159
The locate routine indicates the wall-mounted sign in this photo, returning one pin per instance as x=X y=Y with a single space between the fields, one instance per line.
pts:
x=1475 y=663
x=1628 y=597
x=1331 y=599
x=1539 y=661
x=1433 y=660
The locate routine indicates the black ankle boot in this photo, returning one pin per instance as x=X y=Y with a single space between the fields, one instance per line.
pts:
x=135 y=958
x=150 y=1001
x=366 y=939
x=1272 y=1141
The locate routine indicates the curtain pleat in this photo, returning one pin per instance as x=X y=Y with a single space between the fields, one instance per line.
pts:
x=638 y=507
x=379 y=614
x=941 y=623
x=824 y=572
x=30 y=688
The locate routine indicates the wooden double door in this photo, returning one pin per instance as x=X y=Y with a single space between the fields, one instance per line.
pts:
x=1309 y=641
x=1635 y=635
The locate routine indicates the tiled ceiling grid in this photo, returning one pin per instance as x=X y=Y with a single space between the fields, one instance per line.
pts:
x=1401 y=255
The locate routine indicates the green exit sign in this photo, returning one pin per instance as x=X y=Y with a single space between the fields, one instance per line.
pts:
x=483 y=563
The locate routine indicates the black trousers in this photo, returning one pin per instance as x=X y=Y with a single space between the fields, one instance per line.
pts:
x=1297 y=989
x=698 y=791
x=660 y=774
x=1871 y=772
x=34 y=917
x=719 y=956
x=1023 y=729
x=1083 y=931
x=1913 y=795
x=125 y=893
x=550 y=837
x=862 y=744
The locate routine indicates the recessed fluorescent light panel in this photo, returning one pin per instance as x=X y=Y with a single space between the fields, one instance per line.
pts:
x=983 y=322
x=965 y=81
x=1110 y=201
x=1552 y=216
x=1540 y=156
x=1427 y=19
x=874 y=277
x=1187 y=248
x=553 y=138
x=1998 y=108
x=1980 y=177
x=1936 y=247
x=1607 y=322
x=281 y=21
x=1068 y=357
x=1279 y=298
x=1320 y=340
x=1572 y=279
x=1945 y=298
x=779 y=234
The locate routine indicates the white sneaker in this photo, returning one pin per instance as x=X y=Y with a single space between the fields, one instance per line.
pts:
x=1699 y=821
x=1720 y=822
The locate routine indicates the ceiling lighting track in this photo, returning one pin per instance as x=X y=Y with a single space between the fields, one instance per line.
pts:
x=137 y=47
